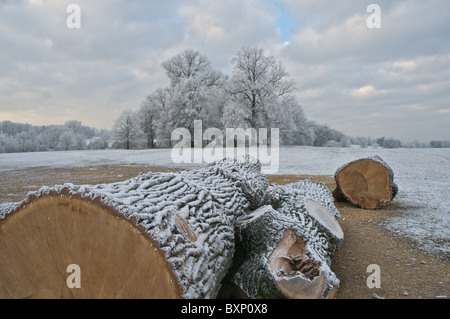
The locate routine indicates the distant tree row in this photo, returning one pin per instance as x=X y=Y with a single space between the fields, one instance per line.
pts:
x=394 y=143
x=440 y=144
x=17 y=137
x=258 y=94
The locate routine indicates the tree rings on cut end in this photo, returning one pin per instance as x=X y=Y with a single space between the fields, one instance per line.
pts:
x=366 y=182
x=115 y=258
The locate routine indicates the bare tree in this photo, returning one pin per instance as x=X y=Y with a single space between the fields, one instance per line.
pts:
x=67 y=141
x=149 y=115
x=257 y=84
x=191 y=64
x=195 y=92
x=126 y=129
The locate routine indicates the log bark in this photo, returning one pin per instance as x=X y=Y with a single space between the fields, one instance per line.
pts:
x=159 y=235
x=288 y=244
x=366 y=182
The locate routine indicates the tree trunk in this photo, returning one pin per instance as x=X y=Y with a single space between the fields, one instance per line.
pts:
x=287 y=245
x=366 y=182
x=149 y=140
x=159 y=235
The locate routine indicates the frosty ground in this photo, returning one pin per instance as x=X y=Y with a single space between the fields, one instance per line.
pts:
x=423 y=177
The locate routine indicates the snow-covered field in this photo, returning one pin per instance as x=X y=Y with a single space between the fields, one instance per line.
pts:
x=422 y=175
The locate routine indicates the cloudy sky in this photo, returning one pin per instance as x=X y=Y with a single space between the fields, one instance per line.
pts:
x=391 y=81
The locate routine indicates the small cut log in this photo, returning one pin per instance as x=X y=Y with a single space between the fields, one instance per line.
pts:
x=287 y=246
x=366 y=182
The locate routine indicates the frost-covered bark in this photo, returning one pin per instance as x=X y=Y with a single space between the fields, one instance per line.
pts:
x=282 y=195
x=310 y=200
x=6 y=208
x=288 y=244
x=259 y=235
x=286 y=235
x=191 y=215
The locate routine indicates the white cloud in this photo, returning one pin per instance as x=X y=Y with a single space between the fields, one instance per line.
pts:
x=364 y=81
x=405 y=65
x=364 y=92
x=416 y=107
x=37 y=3
x=220 y=28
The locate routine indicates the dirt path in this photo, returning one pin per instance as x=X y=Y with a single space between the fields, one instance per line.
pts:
x=405 y=271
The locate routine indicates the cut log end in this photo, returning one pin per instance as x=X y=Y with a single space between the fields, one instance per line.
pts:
x=40 y=240
x=366 y=182
x=324 y=217
x=158 y=235
x=297 y=276
x=287 y=250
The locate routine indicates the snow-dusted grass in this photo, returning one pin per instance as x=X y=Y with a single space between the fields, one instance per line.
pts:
x=155 y=157
x=422 y=175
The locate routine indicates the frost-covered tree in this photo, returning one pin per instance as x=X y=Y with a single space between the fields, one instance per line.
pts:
x=99 y=143
x=380 y=140
x=258 y=94
x=77 y=128
x=149 y=115
x=24 y=143
x=67 y=141
x=256 y=88
x=50 y=136
x=3 y=142
x=325 y=136
x=294 y=126
x=391 y=143
x=11 y=129
x=126 y=129
x=191 y=64
x=363 y=142
x=80 y=142
x=162 y=125
x=195 y=93
x=18 y=137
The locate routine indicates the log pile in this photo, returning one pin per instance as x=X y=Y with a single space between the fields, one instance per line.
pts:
x=173 y=235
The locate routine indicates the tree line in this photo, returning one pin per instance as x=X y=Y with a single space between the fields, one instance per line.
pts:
x=391 y=142
x=17 y=137
x=257 y=94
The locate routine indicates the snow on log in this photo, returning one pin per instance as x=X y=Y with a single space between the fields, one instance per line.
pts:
x=366 y=182
x=287 y=245
x=158 y=235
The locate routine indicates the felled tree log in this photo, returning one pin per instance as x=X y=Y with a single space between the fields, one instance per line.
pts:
x=366 y=182
x=158 y=235
x=287 y=245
